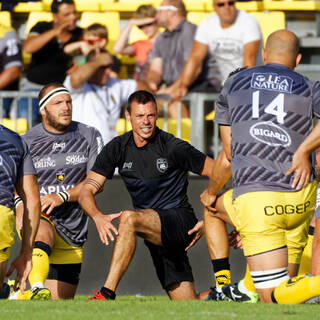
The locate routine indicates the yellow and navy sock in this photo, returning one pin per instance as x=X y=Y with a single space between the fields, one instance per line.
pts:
x=221 y=268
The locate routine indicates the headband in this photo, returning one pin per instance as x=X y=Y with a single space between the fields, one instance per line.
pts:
x=44 y=100
x=167 y=8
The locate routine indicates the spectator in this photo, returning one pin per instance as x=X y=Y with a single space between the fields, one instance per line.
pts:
x=45 y=42
x=94 y=36
x=234 y=43
x=143 y=18
x=171 y=49
x=97 y=97
x=10 y=64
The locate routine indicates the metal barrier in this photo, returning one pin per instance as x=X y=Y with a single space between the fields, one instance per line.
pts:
x=16 y=95
x=196 y=102
x=198 y=133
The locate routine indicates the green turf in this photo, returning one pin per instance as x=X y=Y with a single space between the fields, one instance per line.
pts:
x=151 y=308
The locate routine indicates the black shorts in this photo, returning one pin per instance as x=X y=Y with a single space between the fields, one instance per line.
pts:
x=69 y=273
x=171 y=260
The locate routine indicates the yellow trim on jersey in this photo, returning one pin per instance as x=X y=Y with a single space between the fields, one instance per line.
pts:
x=7 y=220
x=267 y=220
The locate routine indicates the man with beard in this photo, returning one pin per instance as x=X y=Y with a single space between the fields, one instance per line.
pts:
x=63 y=151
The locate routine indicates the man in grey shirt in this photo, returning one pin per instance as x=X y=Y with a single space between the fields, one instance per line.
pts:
x=172 y=49
x=63 y=151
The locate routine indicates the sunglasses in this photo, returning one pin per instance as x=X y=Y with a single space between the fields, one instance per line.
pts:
x=92 y=41
x=222 y=4
x=146 y=25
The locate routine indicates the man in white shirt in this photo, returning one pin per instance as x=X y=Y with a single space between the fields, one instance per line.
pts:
x=232 y=39
x=96 y=97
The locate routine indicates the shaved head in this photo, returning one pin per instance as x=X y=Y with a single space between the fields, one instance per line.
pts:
x=282 y=47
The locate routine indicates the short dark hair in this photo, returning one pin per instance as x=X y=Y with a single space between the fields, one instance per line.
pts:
x=141 y=96
x=43 y=90
x=57 y=3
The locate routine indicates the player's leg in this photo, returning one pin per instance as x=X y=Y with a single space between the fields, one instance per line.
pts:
x=7 y=220
x=63 y=280
x=40 y=264
x=218 y=245
x=170 y=259
x=145 y=223
x=65 y=269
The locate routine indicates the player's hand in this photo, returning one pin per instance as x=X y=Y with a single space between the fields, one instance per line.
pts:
x=301 y=168
x=235 y=240
x=178 y=93
x=197 y=232
x=105 y=228
x=142 y=21
x=49 y=202
x=23 y=265
x=208 y=200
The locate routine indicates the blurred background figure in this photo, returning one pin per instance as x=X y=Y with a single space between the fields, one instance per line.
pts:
x=10 y=64
x=94 y=37
x=45 y=42
x=144 y=19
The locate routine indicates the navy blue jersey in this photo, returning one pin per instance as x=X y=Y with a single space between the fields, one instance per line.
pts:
x=62 y=161
x=15 y=162
x=270 y=110
x=156 y=175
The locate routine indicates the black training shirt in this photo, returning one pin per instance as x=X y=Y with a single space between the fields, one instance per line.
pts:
x=155 y=174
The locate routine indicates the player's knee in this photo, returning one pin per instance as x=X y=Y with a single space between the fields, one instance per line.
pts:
x=127 y=219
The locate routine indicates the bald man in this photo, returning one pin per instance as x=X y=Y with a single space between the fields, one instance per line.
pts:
x=264 y=114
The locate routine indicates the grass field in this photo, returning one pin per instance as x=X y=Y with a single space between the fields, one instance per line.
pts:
x=151 y=308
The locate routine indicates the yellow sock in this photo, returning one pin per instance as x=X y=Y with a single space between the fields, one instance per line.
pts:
x=222 y=277
x=297 y=290
x=306 y=257
x=248 y=282
x=40 y=267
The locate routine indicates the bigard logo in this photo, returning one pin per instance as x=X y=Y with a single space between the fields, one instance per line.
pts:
x=162 y=165
x=271 y=134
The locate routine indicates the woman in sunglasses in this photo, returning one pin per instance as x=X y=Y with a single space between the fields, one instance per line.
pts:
x=144 y=19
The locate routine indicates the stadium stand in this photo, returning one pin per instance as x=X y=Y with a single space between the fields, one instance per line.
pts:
x=291 y=5
x=5 y=18
x=125 y=126
x=28 y=6
x=20 y=125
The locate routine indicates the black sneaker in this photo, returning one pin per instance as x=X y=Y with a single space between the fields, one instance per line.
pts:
x=234 y=293
x=216 y=295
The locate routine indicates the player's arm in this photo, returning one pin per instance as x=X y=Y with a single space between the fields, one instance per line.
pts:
x=92 y=185
x=53 y=200
x=27 y=188
x=82 y=74
x=250 y=51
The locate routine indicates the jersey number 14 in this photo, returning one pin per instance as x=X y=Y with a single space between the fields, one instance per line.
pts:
x=275 y=107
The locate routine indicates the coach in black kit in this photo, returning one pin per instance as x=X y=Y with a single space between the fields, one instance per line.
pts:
x=154 y=166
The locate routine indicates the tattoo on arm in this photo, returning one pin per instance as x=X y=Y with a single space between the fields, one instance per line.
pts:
x=93 y=183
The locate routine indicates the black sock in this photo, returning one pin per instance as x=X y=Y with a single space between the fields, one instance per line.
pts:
x=107 y=293
x=220 y=264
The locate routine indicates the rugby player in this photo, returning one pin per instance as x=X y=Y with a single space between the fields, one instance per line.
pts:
x=16 y=172
x=269 y=111
x=63 y=151
x=154 y=166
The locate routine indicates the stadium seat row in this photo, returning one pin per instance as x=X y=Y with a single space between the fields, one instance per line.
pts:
x=191 y=5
